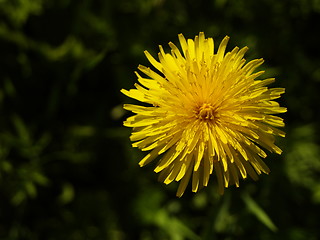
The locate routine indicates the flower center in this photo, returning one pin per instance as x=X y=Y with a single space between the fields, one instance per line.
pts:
x=205 y=112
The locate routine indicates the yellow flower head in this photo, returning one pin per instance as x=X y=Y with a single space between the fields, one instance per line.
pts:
x=208 y=114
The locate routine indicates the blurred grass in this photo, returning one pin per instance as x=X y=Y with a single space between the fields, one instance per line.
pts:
x=67 y=169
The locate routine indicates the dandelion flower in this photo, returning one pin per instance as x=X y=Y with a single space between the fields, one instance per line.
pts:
x=204 y=113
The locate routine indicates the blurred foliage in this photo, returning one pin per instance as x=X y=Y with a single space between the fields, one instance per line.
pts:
x=67 y=169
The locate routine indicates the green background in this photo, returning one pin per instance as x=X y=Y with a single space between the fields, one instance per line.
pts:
x=67 y=168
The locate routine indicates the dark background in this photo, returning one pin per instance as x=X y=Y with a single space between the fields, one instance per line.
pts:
x=67 y=168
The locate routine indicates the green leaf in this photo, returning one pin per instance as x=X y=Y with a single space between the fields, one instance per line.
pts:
x=173 y=226
x=67 y=194
x=18 y=197
x=21 y=129
x=256 y=210
x=31 y=189
x=223 y=218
